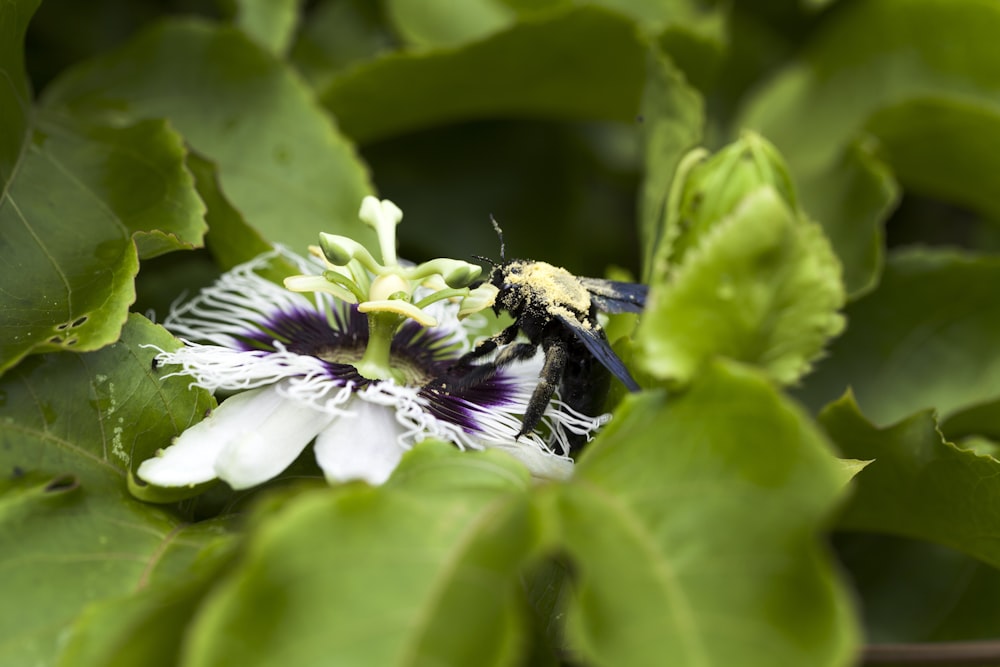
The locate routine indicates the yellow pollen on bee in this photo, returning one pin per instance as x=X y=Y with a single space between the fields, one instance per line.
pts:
x=557 y=286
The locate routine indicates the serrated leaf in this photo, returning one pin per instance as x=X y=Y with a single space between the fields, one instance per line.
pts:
x=281 y=161
x=878 y=68
x=926 y=338
x=918 y=485
x=70 y=426
x=521 y=71
x=980 y=420
x=692 y=525
x=86 y=202
x=419 y=571
x=762 y=287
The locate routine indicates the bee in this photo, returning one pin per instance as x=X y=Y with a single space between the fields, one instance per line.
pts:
x=557 y=311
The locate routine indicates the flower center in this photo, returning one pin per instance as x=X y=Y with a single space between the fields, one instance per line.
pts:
x=405 y=370
x=340 y=355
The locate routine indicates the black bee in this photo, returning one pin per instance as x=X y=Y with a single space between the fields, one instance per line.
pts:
x=557 y=310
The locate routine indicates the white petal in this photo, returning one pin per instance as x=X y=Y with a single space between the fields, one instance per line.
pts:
x=191 y=458
x=273 y=433
x=541 y=464
x=362 y=446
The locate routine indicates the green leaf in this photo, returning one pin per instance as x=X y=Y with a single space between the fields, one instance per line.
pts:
x=75 y=201
x=86 y=202
x=15 y=97
x=419 y=571
x=281 y=161
x=926 y=338
x=854 y=196
x=71 y=425
x=916 y=591
x=878 y=68
x=230 y=239
x=147 y=626
x=102 y=411
x=762 y=287
x=521 y=71
x=672 y=119
x=438 y=23
x=655 y=15
x=699 y=49
x=443 y=23
x=692 y=524
x=336 y=34
x=979 y=420
x=918 y=485
x=271 y=23
x=942 y=148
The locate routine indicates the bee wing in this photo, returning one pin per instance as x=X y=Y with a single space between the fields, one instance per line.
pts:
x=597 y=344
x=613 y=296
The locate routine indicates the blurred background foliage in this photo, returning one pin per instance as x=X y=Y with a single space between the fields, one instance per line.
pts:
x=564 y=189
x=555 y=186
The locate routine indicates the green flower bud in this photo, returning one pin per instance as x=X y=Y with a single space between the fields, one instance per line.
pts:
x=717 y=186
x=481 y=298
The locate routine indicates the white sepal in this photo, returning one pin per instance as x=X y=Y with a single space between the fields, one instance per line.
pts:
x=364 y=445
x=273 y=432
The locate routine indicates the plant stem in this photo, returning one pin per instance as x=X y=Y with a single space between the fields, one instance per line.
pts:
x=375 y=364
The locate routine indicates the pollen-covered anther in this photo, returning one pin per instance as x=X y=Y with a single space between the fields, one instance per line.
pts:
x=391 y=293
x=307 y=283
x=399 y=307
x=479 y=299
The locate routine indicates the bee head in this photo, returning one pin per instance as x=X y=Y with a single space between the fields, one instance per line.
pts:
x=511 y=290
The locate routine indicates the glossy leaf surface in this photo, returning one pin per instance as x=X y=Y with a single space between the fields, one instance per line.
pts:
x=71 y=426
x=692 y=525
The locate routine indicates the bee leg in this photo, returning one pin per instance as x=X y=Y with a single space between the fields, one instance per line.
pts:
x=507 y=356
x=463 y=374
x=486 y=346
x=552 y=370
